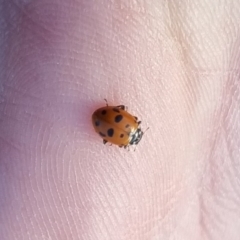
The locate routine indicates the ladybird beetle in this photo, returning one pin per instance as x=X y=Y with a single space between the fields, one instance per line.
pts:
x=115 y=125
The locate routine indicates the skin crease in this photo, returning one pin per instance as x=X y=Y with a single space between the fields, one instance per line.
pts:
x=175 y=65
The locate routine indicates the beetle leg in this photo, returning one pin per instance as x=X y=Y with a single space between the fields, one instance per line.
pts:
x=121 y=107
x=106 y=101
x=104 y=141
x=127 y=147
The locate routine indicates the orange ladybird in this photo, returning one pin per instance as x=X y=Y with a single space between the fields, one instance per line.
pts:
x=115 y=125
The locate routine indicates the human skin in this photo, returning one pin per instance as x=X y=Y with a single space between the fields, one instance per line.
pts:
x=175 y=65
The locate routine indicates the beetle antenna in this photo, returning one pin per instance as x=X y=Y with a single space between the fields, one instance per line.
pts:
x=145 y=130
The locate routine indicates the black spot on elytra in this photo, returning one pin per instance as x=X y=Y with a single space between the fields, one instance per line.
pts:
x=122 y=135
x=116 y=110
x=127 y=126
x=110 y=132
x=104 y=112
x=102 y=134
x=118 y=118
x=97 y=123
